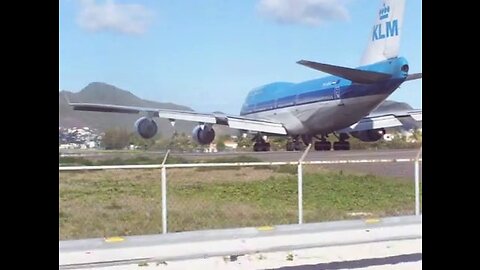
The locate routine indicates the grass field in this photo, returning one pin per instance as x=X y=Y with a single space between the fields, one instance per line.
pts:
x=128 y=202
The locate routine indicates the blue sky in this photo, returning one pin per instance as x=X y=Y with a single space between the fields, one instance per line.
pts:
x=208 y=54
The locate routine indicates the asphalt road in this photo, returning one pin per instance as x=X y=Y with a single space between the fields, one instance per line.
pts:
x=265 y=156
x=360 y=263
x=312 y=155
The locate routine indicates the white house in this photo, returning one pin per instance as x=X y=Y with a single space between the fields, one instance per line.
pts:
x=231 y=144
x=388 y=137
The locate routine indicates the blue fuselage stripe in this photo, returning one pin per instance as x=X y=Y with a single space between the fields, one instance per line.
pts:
x=322 y=95
x=284 y=94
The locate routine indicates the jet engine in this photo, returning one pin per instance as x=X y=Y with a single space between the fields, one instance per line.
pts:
x=146 y=127
x=202 y=134
x=371 y=135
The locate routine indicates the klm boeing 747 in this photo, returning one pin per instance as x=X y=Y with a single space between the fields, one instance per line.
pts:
x=342 y=104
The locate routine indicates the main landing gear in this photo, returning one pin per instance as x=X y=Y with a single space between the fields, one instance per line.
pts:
x=294 y=144
x=342 y=143
x=297 y=142
x=322 y=144
x=260 y=144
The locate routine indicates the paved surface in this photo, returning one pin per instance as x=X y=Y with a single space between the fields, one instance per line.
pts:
x=389 y=243
x=265 y=156
x=312 y=155
x=390 y=255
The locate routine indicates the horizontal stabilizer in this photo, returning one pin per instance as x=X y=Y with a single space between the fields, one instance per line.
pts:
x=351 y=74
x=414 y=76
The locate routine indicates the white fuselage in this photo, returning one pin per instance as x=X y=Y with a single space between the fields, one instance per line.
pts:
x=323 y=117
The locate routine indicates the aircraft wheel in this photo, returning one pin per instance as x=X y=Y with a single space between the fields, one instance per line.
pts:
x=337 y=146
x=297 y=146
x=266 y=147
x=327 y=146
x=323 y=146
x=290 y=146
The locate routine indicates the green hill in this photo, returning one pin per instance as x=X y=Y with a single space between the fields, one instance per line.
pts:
x=97 y=92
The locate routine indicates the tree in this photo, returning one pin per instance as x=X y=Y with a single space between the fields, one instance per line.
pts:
x=220 y=146
x=278 y=143
x=417 y=134
x=116 y=139
x=244 y=143
x=137 y=140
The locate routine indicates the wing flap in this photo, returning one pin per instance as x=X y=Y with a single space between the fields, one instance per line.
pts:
x=375 y=123
x=256 y=125
x=417 y=116
x=351 y=74
x=187 y=116
x=388 y=120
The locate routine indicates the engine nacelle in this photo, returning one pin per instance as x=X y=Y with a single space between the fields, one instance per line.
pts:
x=371 y=135
x=146 y=127
x=203 y=135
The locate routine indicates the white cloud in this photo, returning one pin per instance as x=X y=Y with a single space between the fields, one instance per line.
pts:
x=308 y=12
x=123 y=18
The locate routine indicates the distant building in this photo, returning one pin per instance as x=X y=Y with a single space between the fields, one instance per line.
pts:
x=133 y=147
x=231 y=144
x=212 y=148
x=78 y=138
x=388 y=137
x=65 y=146
x=91 y=144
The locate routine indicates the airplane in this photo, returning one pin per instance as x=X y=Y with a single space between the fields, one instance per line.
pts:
x=342 y=104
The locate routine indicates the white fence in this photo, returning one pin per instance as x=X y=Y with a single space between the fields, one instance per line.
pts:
x=299 y=164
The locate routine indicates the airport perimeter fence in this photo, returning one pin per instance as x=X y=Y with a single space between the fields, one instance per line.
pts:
x=148 y=199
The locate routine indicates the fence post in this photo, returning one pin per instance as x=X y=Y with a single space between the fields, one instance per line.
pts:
x=300 y=185
x=300 y=193
x=164 y=200
x=417 y=183
x=164 y=194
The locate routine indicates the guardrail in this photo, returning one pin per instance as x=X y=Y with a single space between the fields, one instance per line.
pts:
x=299 y=163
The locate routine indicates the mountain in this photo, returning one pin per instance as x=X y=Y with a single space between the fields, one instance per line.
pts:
x=390 y=106
x=97 y=92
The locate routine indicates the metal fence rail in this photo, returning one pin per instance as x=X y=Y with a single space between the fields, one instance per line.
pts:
x=299 y=163
x=236 y=164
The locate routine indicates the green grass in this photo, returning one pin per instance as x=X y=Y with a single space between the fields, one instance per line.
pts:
x=236 y=159
x=127 y=202
x=139 y=160
x=75 y=161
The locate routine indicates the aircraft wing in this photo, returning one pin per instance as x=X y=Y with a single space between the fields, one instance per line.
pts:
x=233 y=121
x=387 y=120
